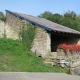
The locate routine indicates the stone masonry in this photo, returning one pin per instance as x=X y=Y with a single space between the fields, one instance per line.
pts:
x=41 y=42
x=2 y=29
x=12 y=26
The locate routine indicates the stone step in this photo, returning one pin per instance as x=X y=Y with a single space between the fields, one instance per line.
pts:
x=50 y=62
x=51 y=58
x=52 y=55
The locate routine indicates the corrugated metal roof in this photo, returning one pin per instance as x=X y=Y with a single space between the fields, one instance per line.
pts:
x=46 y=24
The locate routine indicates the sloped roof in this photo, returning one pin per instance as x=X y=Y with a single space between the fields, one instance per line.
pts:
x=43 y=23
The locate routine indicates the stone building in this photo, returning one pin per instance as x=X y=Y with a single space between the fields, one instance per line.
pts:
x=48 y=35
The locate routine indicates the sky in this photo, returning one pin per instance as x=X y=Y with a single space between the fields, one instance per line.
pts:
x=36 y=7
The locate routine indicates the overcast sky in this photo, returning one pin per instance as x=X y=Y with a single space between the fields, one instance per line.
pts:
x=36 y=7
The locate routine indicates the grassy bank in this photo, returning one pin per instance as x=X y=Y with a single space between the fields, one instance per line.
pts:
x=14 y=57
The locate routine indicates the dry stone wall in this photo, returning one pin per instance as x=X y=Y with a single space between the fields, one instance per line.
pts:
x=2 y=29
x=13 y=26
x=40 y=42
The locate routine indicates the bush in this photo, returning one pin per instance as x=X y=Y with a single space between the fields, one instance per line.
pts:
x=71 y=47
x=27 y=35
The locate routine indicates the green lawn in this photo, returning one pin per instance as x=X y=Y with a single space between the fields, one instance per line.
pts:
x=14 y=57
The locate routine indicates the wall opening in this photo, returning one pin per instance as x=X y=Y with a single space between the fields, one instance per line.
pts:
x=57 y=39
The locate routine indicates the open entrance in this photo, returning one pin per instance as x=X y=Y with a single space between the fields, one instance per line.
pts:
x=57 y=39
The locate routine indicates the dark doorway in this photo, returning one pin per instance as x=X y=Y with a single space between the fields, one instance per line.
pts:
x=57 y=39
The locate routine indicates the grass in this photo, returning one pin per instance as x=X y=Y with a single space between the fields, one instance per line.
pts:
x=14 y=57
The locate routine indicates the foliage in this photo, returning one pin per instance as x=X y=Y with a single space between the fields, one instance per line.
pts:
x=71 y=47
x=15 y=57
x=46 y=15
x=28 y=34
x=69 y=19
x=70 y=14
x=2 y=17
x=1 y=14
x=4 y=35
x=57 y=18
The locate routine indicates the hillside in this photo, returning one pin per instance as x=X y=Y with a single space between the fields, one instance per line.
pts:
x=14 y=56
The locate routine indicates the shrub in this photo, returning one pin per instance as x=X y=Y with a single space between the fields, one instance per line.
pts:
x=27 y=35
x=71 y=47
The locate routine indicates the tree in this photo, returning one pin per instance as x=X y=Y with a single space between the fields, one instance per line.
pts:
x=78 y=22
x=45 y=15
x=70 y=14
x=69 y=20
x=57 y=18
x=2 y=17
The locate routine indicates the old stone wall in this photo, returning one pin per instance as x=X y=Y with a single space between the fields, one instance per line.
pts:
x=40 y=45
x=2 y=29
x=13 y=26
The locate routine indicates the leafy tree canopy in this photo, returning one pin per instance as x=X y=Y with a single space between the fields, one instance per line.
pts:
x=1 y=14
x=2 y=17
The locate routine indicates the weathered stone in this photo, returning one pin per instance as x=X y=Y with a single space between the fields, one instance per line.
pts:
x=40 y=42
x=54 y=63
x=38 y=54
x=60 y=58
x=53 y=54
x=77 y=71
x=75 y=68
x=13 y=26
x=60 y=52
x=68 y=54
x=2 y=29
